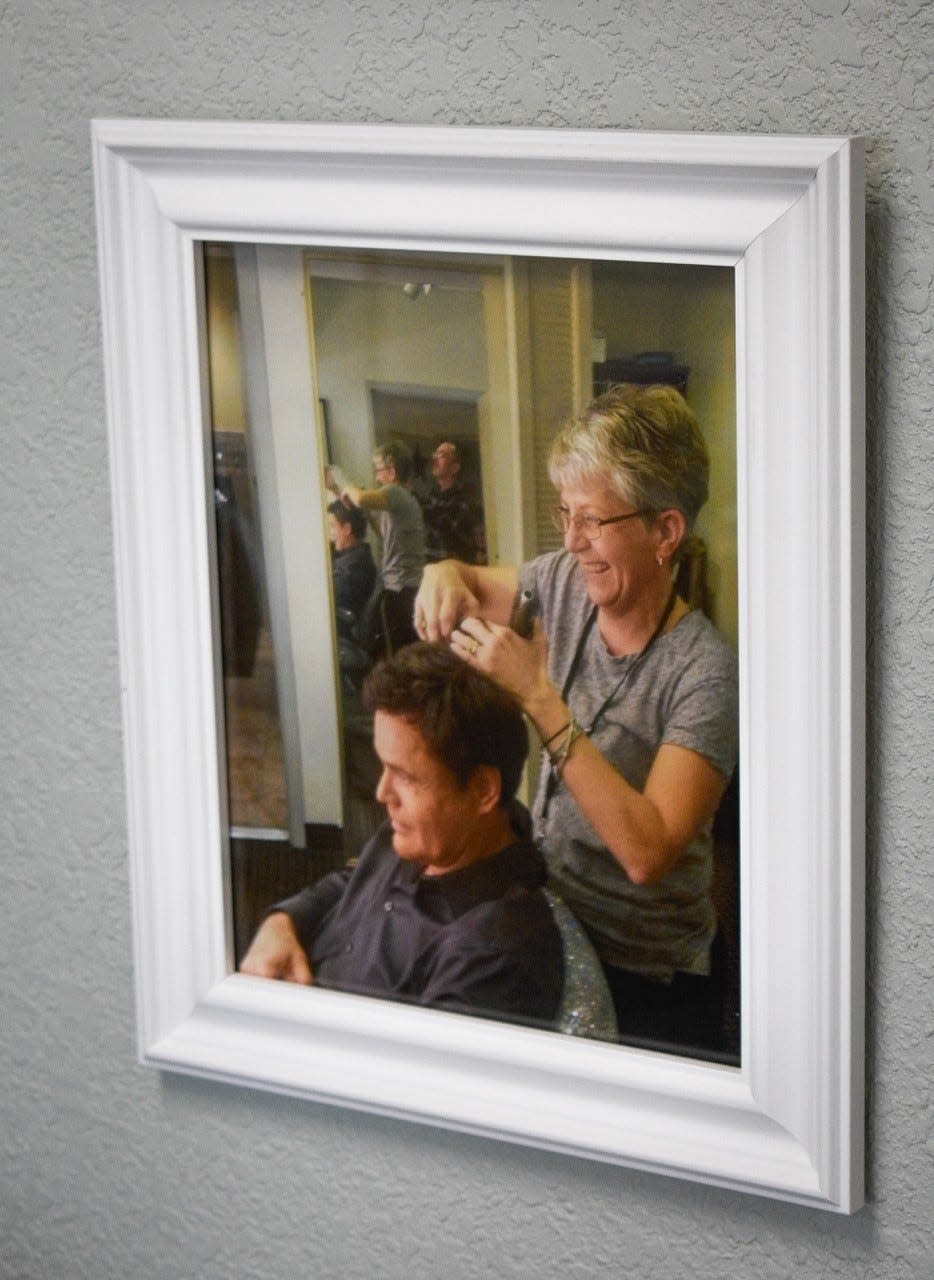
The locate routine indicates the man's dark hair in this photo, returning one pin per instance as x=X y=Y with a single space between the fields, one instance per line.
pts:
x=349 y=515
x=465 y=719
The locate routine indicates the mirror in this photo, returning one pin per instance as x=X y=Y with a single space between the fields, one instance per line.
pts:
x=322 y=356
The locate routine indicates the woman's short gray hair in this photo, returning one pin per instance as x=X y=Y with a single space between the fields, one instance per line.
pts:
x=642 y=441
x=395 y=456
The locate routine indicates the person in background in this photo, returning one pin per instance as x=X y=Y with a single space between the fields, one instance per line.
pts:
x=633 y=695
x=353 y=567
x=445 y=905
x=397 y=517
x=453 y=518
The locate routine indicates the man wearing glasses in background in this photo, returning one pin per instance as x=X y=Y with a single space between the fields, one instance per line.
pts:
x=453 y=517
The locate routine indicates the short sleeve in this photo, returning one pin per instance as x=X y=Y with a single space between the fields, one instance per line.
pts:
x=704 y=712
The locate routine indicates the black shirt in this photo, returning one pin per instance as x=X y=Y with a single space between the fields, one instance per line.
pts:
x=479 y=940
x=354 y=577
x=453 y=526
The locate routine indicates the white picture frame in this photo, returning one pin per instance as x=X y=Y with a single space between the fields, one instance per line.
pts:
x=787 y=214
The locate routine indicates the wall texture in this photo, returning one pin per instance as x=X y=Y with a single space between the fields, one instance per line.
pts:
x=108 y=1170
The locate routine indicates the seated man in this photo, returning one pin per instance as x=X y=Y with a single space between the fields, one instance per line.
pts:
x=445 y=906
x=353 y=566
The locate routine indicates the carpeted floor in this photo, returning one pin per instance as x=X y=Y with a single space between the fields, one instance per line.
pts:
x=255 y=765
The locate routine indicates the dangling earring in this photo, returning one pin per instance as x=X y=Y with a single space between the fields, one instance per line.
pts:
x=659 y=561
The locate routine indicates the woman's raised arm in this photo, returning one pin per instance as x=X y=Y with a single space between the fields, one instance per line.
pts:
x=451 y=591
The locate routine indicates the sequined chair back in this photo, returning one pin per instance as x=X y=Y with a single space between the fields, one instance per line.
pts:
x=586 y=1004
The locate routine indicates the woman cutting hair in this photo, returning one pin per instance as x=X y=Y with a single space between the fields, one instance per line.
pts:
x=633 y=695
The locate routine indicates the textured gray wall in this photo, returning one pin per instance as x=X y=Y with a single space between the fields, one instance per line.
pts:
x=108 y=1170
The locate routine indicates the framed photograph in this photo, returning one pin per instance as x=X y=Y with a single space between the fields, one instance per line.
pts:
x=240 y=266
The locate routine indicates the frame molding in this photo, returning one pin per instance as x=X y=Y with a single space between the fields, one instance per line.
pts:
x=787 y=214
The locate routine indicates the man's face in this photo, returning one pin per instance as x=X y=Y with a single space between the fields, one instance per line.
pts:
x=433 y=818
x=444 y=464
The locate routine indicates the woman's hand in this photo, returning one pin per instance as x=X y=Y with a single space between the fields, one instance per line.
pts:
x=452 y=591
x=518 y=665
x=443 y=599
x=646 y=831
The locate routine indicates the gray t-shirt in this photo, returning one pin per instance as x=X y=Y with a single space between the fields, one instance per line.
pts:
x=402 y=530
x=683 y=691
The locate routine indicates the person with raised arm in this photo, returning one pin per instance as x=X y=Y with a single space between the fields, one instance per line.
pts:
x=633 y=695
x=397 y=517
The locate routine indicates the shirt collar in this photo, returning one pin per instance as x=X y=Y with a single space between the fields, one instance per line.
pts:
x=518 y=865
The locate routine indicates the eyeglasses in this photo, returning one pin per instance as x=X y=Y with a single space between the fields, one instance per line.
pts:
x=590 y=526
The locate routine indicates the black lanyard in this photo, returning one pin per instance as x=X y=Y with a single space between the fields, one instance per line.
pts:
x=627 y=674
x=624 y=679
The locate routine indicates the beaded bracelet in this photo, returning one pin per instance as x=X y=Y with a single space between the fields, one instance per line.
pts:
x=558 y=757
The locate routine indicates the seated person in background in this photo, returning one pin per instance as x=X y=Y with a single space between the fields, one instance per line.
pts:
x=396 y=516
x=453 y=518
x=445 y=906
x=353 y=566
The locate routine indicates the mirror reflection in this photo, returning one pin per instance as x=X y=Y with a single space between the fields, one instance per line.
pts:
x=373 y=413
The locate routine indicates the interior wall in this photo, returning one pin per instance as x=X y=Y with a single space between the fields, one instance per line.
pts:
x=223 y=338
x=108 y=1169
x=368 y=333
x=690 y=312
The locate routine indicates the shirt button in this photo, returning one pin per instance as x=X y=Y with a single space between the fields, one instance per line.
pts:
x=387 y=906
x=349 y=947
